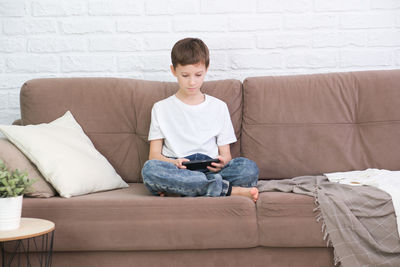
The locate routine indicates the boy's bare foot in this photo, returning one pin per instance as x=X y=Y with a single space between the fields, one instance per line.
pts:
x=251 y=192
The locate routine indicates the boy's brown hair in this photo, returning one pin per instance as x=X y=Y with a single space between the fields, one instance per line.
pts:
x=190 y=51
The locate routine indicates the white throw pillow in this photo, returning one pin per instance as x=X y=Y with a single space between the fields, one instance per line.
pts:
x=65 y=156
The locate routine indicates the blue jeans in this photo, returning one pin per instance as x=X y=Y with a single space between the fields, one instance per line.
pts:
x=165 y=177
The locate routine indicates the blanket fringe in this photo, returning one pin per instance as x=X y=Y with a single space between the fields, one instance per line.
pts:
x=320 y=217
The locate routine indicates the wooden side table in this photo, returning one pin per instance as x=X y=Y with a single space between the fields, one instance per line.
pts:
x=33 y=234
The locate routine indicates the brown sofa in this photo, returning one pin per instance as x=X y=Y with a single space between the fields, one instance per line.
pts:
x=289 y=125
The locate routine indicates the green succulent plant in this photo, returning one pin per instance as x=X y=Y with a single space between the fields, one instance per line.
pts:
x=13 y=183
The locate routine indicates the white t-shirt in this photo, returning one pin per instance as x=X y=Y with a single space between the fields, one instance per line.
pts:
x=189 y=129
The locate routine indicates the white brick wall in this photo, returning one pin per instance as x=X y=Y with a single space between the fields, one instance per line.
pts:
x=133 y=38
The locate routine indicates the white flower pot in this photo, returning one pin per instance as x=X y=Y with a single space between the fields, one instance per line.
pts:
x=10 y=213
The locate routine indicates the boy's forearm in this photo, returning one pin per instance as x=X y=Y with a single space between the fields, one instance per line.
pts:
x=155 y=151
x=160 y=157
x=225 y=152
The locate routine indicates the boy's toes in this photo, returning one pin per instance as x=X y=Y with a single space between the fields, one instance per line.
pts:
x=254 y=193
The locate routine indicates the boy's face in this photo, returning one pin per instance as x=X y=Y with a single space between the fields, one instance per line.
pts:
x=190 y=77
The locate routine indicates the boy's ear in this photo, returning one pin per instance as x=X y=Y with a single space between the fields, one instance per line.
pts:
x=173 y=70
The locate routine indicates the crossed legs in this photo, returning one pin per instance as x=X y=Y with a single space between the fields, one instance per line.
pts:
x=239 y=177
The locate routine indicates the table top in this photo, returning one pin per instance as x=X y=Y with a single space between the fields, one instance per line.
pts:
x=29 y=227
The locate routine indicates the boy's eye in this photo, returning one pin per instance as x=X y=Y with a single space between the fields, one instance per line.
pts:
x=186 y=75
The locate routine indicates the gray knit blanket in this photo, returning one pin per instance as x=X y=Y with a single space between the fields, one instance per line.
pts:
x=358 y=221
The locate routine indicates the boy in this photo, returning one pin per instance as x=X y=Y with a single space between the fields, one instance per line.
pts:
x=193 y=126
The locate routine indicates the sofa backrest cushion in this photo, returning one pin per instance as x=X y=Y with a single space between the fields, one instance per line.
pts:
x=313 y=124
x=115 y=112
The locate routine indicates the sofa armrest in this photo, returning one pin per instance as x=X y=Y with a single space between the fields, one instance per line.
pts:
x=15 y=159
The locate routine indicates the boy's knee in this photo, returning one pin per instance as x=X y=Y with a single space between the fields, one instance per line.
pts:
x=249 y=169
x=252 y=167
x=149 y=163
x=154 y=170
x=148 y=172
x=149 y=167
x=247 y=164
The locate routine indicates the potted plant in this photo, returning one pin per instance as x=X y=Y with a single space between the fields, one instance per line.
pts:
x=13 y=184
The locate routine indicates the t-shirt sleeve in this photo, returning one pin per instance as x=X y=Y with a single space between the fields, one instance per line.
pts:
x=227 y=133
x=155 y=130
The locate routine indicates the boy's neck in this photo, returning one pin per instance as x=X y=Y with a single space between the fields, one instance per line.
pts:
x=191 y=99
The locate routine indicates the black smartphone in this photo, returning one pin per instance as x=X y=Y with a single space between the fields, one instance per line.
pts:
x=199 y=164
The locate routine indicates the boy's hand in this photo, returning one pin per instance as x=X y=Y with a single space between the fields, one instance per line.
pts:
x=216 y=167
x=178 y=163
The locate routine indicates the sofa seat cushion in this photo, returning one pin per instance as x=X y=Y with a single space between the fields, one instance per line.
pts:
x=132 y=219
x=288 y=220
